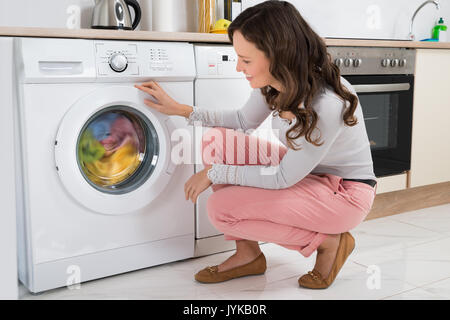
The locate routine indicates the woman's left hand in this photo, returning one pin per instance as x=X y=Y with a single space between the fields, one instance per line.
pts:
x=197 y=184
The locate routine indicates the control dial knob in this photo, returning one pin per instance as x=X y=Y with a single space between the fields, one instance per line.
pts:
x=348 y=62
x=339 y=62
x=118 y=62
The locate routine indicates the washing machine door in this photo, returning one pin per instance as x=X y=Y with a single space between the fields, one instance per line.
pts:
x=112 y=152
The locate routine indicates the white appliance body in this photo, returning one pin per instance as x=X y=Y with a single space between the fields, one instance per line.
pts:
x=8 y=248
x=68 y=230
x=219 y=86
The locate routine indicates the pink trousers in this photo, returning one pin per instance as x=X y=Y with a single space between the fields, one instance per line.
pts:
x=297 y=218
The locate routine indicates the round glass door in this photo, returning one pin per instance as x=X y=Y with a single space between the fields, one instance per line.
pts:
x=117 y=150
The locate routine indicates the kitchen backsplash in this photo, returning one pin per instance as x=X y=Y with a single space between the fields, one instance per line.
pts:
x=380 y=19
x=371 y=19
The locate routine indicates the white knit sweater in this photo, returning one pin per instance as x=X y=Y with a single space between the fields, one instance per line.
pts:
x=345 y=151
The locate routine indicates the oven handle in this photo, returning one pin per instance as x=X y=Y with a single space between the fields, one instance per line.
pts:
x=363 y=88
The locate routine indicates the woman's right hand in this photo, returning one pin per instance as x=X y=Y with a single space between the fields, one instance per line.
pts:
x=164 y=103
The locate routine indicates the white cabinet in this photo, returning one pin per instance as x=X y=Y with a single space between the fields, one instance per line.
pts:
x=8 y=256
x=392 y=183
x=430 y=152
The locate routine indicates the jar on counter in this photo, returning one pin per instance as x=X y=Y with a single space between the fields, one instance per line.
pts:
x=206 y=15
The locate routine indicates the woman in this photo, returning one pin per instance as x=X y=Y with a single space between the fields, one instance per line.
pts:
x=321 y=188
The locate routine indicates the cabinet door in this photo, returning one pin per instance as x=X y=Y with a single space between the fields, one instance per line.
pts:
x=8 y=251
x=391 y=183
x=430 y=150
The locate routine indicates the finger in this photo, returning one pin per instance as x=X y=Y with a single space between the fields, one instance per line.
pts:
x=153 y=84
x=189 y=191
x=186 y=192
x=150 y=91
x=157 y=84
x=148 y=83
x=146 y=90
x=191 y=194
x=195 y=197
x=141 y=87
x=152 y=104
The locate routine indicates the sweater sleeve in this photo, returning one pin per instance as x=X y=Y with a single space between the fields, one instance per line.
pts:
x=250 y=116
x=296 y=164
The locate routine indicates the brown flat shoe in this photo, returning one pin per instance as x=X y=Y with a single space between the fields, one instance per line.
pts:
x=212 y=275
x=314 y=280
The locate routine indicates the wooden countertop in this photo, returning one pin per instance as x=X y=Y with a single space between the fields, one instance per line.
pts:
x=193 y=37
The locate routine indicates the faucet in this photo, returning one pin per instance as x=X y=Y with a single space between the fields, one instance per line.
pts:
x=411 y=35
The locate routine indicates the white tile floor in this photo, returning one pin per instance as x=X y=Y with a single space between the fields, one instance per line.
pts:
x=408 y=253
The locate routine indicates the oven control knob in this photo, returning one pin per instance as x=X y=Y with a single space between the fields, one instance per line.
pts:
x=339 y=62
x=348 y=62
x=118 y=62
x=357 y=63
x=385 y=62
x=402 y=63
x=394 y=63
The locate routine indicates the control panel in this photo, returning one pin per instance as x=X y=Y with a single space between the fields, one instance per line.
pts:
x=216 y=61
x=159 y=60
x=149 y=59
x=220 y=60
x=373 y=60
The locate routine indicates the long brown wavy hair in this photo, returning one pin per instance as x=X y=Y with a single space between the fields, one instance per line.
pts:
x=298 y=60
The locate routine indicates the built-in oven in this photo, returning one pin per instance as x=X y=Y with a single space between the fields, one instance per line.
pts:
x=383 y=79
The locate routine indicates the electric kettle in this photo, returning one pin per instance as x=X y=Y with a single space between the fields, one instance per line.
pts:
x=115 y=14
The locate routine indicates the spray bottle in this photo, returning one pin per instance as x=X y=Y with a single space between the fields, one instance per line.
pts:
x=440 y=31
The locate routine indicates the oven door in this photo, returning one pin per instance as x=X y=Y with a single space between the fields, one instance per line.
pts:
x=387 y=102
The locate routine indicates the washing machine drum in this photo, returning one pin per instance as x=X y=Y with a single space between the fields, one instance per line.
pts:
x=115 y=149
x=112 y=152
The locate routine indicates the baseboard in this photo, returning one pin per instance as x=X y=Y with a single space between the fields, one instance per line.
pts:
x=390 y=203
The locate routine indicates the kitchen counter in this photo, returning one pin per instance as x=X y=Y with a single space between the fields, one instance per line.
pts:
x=193 y=37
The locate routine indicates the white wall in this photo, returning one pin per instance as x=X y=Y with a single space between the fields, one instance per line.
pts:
x=8 y=256
x=46 y=13
x=72 y=14
x=372 y=19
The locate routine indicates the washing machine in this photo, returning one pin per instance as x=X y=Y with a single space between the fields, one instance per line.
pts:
x=219 y=86
x=101 y=175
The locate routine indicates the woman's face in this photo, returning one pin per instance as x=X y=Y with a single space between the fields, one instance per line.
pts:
x=253 y=63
